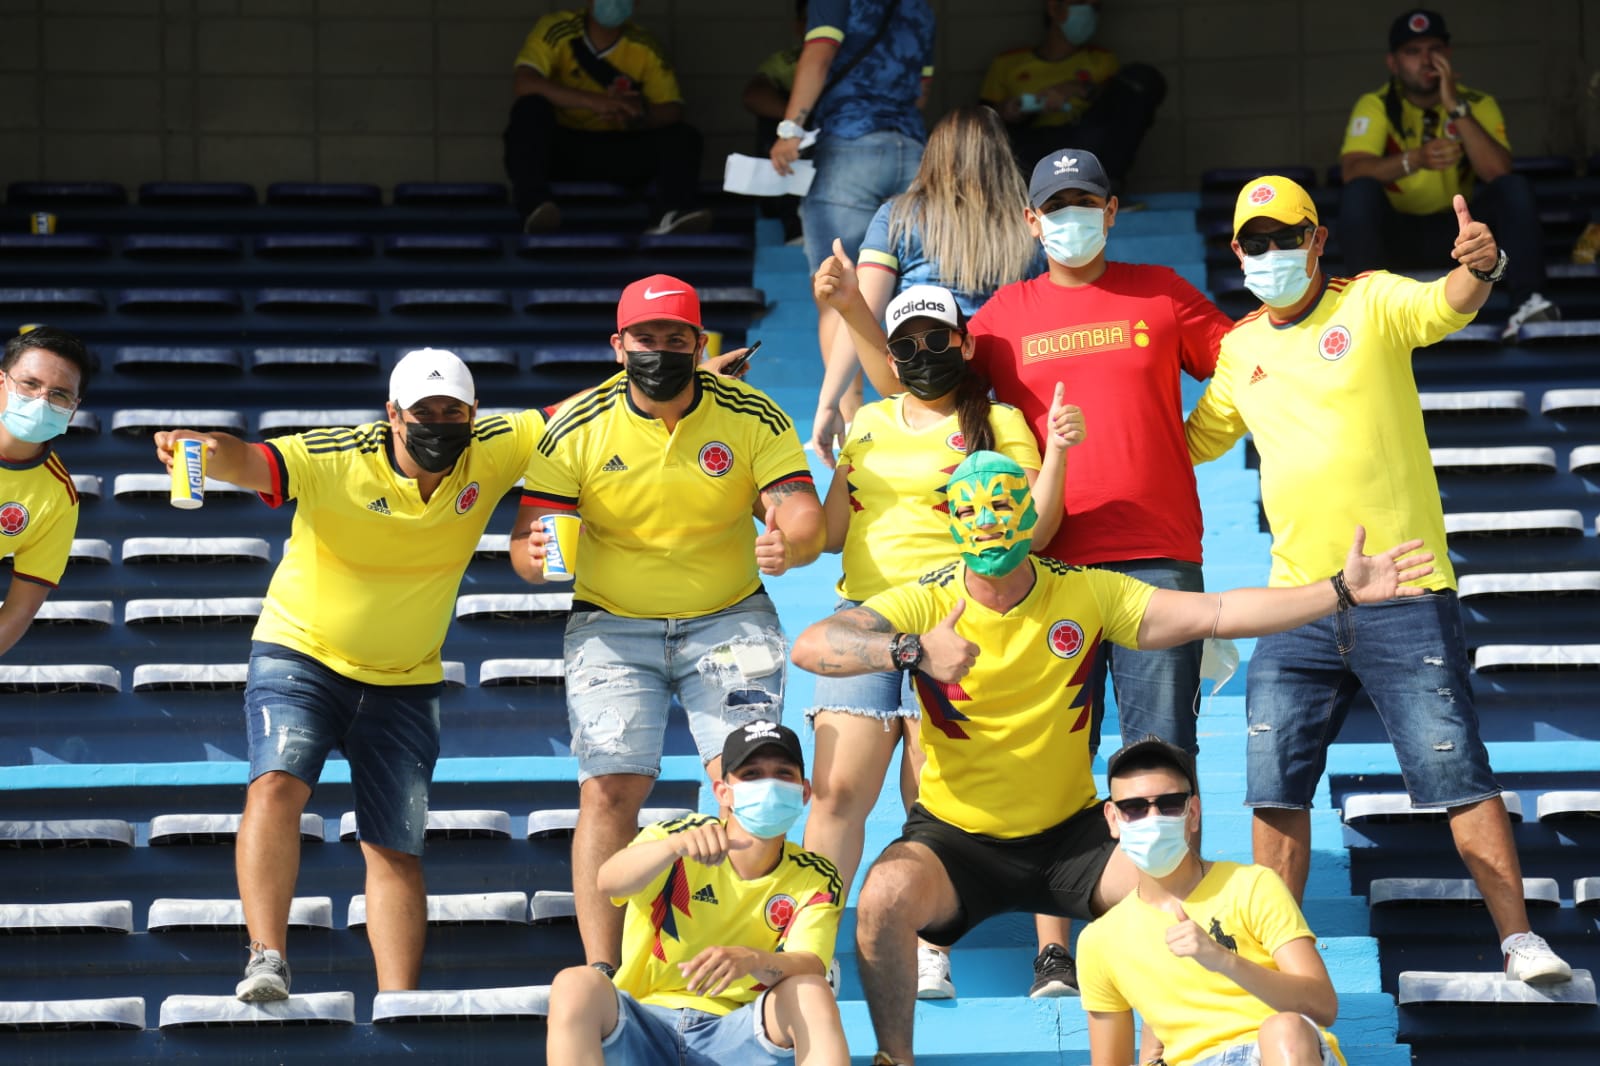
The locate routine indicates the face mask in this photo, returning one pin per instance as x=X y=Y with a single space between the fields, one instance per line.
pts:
x=661 y=375
x=437 y=445
x=612 y=13
x=1277 y=276
x=1073 y=236
x=1080 y=23
x=930 y=375
x=31 y=419
x=767 y=807
x=1155 y=843
x=997 y=490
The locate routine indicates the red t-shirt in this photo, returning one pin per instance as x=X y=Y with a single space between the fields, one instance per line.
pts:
x=1118 y=345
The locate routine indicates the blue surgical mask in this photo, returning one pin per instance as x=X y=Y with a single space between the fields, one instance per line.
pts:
x=1155 y=843
x=1073 y=236
x=31 y=419
x=1277 y=276
x=612 y=13
x=767 y=807
x=1080 y=23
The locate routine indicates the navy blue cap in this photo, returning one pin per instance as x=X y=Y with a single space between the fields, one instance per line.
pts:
x=1418 y=22
x=1067 y=168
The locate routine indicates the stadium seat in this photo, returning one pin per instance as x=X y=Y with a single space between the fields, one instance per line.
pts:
x=87 y=485
x=1499 y=402
x=1230 y=179
x=178 y=301
x=212 y=1012
x=190 y=677
x=287 y=362
x=482 y=360
x=1544 y=166
x=550 y=908
x=1554 y=333
x=467 y=908
x=455 y=673
x=1530 y=586
x=45 y=301
x=1420 y=988
x=216 y=610
x=1562 y=523
x=442 y=246
x=567 y=245
x=55 y=1015
x=37 y=246
x=314 y=246
x=182 y=246
x=65 y=194
x=90 y=613
x=65 y=832
x=1586 y=892
x=132 y=487
x=84 y=423
x=340 y=194
x=447 y=825
x=1396 y=808
x=1453 y=892
x=450 y=301
x=1584 y=460
x=1504 y=460
x=449 y=193
x=317 y=301
x=174 y=830
x=144 y=359
x=196 y=194
x=91 y=551
x=517 y=606
x=499 y=672
x=473 y=1005
x=598 y=357
x=100 y=916
x=493 y=546
x=143 y=421
x=716 y=243
x=140 y=551
x=66 y=677
x=181 y=915
x=1570 y=402
x=559 y=823
x=1493 y=657
x=1569 y=805
x=282 y=423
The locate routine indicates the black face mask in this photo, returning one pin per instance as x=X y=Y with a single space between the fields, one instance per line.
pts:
x=930 y=375
x=661 y=375
x=437 y=445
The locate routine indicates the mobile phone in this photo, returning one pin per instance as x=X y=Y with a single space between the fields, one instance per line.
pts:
x=736 y=367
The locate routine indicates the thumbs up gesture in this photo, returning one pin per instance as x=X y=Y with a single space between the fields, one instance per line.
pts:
x=834 y=284
x=1065 y=421
x=1186 y=940
x=772 y=547
x=947 y=655
x=1475 y=246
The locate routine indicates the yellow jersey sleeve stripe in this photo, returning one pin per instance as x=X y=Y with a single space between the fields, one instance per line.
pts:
x=873 y=257
x=550 y=500
x=279 y=490
x=796 y=475
x=58 y=470
x=832 y=34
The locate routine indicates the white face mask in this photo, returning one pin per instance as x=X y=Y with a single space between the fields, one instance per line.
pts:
x=1277 y=276
x=1073 y=236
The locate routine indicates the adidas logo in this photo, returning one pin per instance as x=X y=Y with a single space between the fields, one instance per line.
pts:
x=866 y=438
x=435 y=376
x=705 y=895
x=1258 y=375
x=380 y=505
x=614 y=465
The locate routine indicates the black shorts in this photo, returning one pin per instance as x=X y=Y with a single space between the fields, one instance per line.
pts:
x=1053 y=872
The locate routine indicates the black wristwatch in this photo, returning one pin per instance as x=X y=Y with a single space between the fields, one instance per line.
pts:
x=1461 y=110
x=1492 y=276
x=905 y=651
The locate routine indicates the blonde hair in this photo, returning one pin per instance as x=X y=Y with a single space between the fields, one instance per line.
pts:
x=966 y=203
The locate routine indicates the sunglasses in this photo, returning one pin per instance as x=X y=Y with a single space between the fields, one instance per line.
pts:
x=1168 y=804
x=1285 y=239
x=934 y=340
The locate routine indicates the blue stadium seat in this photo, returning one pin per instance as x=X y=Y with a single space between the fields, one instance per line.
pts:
x=53 y=246
x=137 y=359
x=143 y=421
x=196 y=194
x=182 y=246
x=50 y=301
x=588 y=190
x=483 y=360
x=317 y=301
x=450 y=301
x=314 y=245
x=1573 y=332
x=178 y=301
x=295 y=361
x=583 y=356
x=534 y=245
x=85 y=423
x=442 y=245
x=282 y=423
x=340 y=194
x=1544 y=166
x=449 y=193
x=65 y=194
x=723 y=243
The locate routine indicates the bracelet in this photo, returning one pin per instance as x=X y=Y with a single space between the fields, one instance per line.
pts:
x=1342 y=591
x=1217 y=621
x=1405 y=162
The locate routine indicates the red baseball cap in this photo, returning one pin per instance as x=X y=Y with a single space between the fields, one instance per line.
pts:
x=660 y=296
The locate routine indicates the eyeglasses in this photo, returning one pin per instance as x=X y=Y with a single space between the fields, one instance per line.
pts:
x=1285 y=239
x=934 y=340
x=1169 y=804
x=60 y=401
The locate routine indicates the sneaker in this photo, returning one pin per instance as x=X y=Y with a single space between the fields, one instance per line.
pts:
x=266 y=977
x=1534 y=309
x=546 y=218
x=681 y=222
x=1530 y=959
x=933 y=974
x=1054 y=974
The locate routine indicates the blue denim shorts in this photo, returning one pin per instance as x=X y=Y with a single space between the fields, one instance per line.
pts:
x=1250 y=1054
x=855 y=175
x=1411 y=658
x=297 y=711
x=883 y=696
x=725 y=668
x=648 y=1036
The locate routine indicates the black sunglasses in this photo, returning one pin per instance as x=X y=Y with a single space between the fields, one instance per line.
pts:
x=1285 y=239
x=934 y=340
x=1169 y=804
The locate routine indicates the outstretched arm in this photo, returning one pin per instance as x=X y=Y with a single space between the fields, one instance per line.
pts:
x=846 y=644
x=227 y=458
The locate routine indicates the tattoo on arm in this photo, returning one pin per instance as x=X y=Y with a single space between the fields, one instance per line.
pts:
x=784 y=489
x=770 y=975
x=856 y=642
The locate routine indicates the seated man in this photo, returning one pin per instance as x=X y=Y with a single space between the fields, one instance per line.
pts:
x=1411 y=147
x=1067 y=91
x=1215 y=956
x=730 y=929
x=1006 y=819
x=597 y=100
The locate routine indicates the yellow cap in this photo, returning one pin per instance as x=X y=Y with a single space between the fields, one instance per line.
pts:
x=1273 y=197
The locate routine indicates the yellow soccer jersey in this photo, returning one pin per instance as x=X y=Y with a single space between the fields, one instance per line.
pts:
x=637 y=55
x=1025 y=702
x=690 y=907
x=38 y=517
x=368 y=581
x=1022 y=71
x=899 y=521
x=1423 y=191
x=1333 y=406
x=668 y=519
x=1124 y=964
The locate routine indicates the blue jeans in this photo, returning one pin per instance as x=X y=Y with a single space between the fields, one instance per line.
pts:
x=660 y=1036
x=297 y=711
x=854 y=177
x=883 y=696
x=726 y=668
x=1250 y=1054
x=1411 y=657
x=1158 y=692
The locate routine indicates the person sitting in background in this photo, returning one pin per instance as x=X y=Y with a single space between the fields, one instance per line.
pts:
x=766 y=96
x=1410 y=147
x=1068 y=91
x=597 y=100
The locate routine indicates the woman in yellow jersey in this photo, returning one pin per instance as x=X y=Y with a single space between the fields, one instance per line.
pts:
x=886 y=512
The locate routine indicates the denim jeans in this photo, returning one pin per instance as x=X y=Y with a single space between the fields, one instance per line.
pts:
x=647 y=1035
x=854 y=177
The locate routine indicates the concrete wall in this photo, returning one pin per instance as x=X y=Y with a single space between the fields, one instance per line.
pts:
x=394 y=90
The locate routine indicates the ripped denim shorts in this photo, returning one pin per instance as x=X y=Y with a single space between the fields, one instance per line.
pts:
x=884 y=696
x=725 y=668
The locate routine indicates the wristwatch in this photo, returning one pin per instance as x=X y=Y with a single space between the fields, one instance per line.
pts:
x=905 y=650
x=1461 y=110
x=789 y=129
x=1492 y=276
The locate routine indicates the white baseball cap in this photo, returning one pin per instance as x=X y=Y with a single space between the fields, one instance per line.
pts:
x=922 y=301
x=430 y=372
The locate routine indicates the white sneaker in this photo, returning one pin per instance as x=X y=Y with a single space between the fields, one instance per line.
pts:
x=1530 y=959
x=933 y=974
x=1534 y=309
x=681 y=222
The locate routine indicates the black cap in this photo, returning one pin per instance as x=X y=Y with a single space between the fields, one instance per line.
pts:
x=1068 y=168
x=1159 y=750
x=750 y=738
x=1418 y=22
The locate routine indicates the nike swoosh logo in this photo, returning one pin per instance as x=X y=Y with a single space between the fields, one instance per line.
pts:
x=651 y=294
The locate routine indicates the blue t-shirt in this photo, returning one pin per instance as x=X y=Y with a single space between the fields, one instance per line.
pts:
x=880 y=92
x=913 y=267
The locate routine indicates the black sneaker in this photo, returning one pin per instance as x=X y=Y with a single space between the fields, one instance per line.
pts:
x=1054 y=974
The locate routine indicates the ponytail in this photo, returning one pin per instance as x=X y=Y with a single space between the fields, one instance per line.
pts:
x=972 y=411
